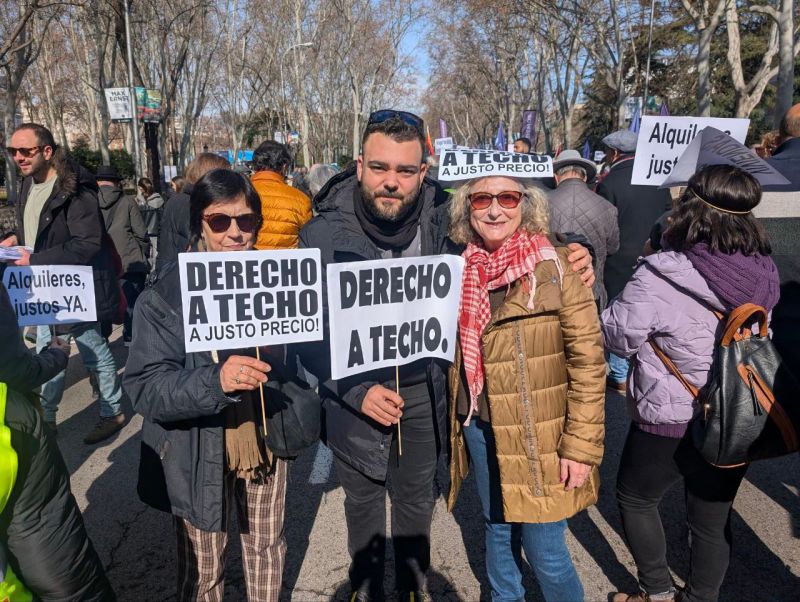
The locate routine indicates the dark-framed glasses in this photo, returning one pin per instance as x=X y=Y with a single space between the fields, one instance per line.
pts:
x=220 y=222
x=387 y=114
x=508 y=199
x=26 y=152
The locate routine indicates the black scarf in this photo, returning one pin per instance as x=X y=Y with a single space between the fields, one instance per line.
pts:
x=387 y=234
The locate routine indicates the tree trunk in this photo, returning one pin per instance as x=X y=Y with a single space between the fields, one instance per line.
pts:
x=786 y=58
x=9 y=125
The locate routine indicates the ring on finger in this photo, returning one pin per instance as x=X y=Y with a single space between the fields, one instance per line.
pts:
x=237 y=381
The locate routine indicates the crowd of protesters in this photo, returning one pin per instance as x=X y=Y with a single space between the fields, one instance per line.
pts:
x=561 y=288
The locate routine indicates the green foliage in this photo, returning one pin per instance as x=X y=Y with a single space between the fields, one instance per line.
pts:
x=121 y=160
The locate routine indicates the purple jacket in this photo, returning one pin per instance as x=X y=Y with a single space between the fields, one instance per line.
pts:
x=661 y=300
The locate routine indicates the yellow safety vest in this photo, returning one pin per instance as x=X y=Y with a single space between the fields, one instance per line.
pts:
x=11 y=588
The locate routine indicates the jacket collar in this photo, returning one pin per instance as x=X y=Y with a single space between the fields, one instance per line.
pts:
x=547 y=298
x=790 y=148
x=268 y=176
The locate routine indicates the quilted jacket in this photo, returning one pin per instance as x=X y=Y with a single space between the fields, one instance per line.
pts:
x=575 y=208
x=667 y=299
x=545 y=384
x=285 y=210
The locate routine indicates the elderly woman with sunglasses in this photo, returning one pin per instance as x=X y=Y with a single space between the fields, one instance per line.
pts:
x=526 y=387
x=201 y=453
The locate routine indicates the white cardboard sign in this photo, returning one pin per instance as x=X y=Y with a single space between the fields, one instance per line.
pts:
x=469 y=164
x=236 y=300
x=51 y=294
x=442 y=144
x=662 y=141
x=392 y=312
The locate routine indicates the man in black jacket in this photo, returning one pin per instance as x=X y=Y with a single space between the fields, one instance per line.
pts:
x=638 y=208
x=58 y=216
x=386 y=208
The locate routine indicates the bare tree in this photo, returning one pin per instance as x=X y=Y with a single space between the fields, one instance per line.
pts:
x=706 y=16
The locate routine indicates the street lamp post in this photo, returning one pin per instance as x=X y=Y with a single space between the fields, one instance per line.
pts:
x=132 y=91
x=283 y=87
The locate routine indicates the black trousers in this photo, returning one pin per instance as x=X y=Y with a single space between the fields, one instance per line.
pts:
x=649 y=467
x=411 y=491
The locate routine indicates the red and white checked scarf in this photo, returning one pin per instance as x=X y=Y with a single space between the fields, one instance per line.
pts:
x=483 y=272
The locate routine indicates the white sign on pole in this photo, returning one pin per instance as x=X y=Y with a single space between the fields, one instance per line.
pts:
x=51 y=294
x=119 y=104
x=468 y=164
x=662 y=141
x=235 y=300
x=442 y=144
x=599 y=156
x=392 y=312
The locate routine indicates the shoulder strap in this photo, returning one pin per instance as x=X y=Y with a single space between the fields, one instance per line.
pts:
x=693 y=391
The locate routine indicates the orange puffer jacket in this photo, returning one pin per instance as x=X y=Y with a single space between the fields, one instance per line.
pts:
x=285 y=211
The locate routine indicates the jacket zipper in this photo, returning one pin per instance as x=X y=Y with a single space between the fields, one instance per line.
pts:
x=530 y=430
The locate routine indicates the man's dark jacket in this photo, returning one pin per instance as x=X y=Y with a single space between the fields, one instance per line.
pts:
x=71 y=232
x=638 y=208
x=786 y=159
x=41 y=525
x=173 y=237
x=352 y=436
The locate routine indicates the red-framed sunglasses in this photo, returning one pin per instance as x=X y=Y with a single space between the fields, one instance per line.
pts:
x=220 y=222
x=508 y=199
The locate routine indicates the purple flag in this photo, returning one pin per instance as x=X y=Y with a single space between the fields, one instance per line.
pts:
x=442 y=128
x=500 y=139
x=587 y=151
x=635 y=122
x=664 y=111
x=528 y=129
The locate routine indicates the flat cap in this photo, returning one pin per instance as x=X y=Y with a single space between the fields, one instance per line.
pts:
x=622 y=140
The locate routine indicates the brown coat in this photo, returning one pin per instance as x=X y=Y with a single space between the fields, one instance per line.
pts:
x=545 y=381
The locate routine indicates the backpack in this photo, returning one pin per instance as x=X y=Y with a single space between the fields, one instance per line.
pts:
x=750 y=408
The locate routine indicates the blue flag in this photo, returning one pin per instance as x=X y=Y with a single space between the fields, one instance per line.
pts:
x=500 y=139
x=664 y=111
x=587 y=151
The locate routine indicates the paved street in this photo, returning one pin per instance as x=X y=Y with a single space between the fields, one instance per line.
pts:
x=137 y=543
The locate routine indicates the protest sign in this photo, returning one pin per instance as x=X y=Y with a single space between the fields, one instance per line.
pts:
x=235 y=300
x=468 y=164
x=51 y=294
x=119 y=104
x=442 y=144
x=712 y=147
x=599 y=156
x=392 y=312
x=662 y=140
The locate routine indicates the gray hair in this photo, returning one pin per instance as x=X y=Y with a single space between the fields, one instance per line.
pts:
x=572 y=169
x=318 y=176
x=535 y=212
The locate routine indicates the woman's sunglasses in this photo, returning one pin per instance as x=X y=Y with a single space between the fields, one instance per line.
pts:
x=220 y=222
x=507 y=200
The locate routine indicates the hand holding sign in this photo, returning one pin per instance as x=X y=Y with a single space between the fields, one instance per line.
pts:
x=242 y=373
x=382 y=405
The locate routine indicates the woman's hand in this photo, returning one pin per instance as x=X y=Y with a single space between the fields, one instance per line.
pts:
x=383 y=405
x=60 y=344
x=573 y=474
x=581 y=261
x=242 y=373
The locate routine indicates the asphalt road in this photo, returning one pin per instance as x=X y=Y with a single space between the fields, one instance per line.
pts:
x=137 y=545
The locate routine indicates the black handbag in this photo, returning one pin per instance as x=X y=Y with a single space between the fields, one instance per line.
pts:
x=293 y=411
x=750 y=408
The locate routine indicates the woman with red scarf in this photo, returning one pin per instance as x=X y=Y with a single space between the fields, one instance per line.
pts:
x=527 y=385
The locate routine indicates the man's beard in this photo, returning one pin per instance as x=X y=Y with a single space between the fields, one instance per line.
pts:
x=395 y=212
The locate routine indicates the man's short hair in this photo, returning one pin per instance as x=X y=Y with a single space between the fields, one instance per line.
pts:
x=525 y=141
x=396 y=129
x=271 y=156
x=43 y=136
x=790 y=123
x=572 y=169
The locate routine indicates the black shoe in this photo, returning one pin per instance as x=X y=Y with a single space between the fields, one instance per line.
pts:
x=104 y=428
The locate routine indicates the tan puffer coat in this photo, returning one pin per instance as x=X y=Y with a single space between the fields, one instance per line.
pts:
x=545 y=382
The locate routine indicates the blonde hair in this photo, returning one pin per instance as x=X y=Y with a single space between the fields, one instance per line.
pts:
x=535 y=213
